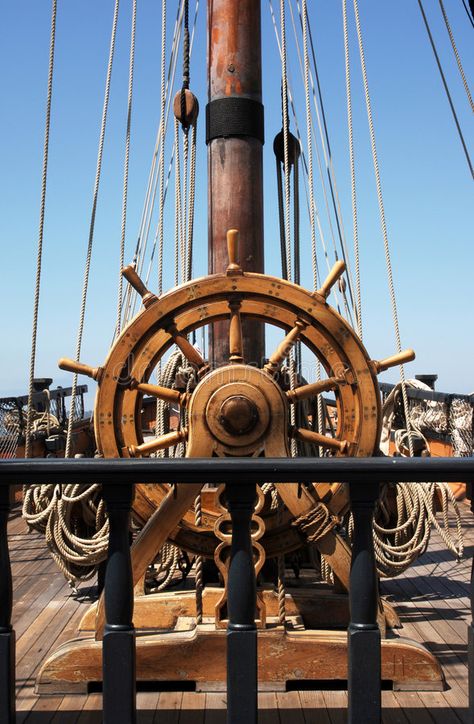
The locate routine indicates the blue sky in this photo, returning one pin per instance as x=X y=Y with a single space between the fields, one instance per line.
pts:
x=426 y=183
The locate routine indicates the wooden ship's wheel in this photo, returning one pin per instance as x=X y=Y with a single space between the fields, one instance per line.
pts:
x=237 y=410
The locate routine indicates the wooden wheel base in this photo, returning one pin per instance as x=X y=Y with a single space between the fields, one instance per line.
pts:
x=317 y=608
x=283 y=656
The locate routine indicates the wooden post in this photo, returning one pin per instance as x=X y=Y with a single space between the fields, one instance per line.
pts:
x=7 y=635
x=364 y=665
x=118 y=662
x=234 y=134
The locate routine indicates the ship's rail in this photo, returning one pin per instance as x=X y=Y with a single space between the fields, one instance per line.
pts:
x=13 y=415
x=118 y=477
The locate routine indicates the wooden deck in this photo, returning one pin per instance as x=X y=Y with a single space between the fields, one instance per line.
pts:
x=432 y=600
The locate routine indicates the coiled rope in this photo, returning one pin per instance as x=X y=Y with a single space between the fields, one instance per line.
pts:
x=74 y=523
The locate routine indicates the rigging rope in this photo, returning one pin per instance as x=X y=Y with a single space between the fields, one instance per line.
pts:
x=383 y=222
x=309 y=145
x=358 y=307
x=285 y=126
x=92 y=225
x=323 y=185
x=448 y=94
x=456 y=55
x=39 y=259
x=328 y=159
x=161 y=164
x=152 y=185
x=467 y=11
x=125 y=168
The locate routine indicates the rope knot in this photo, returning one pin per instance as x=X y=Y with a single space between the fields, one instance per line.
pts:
x=316 y=523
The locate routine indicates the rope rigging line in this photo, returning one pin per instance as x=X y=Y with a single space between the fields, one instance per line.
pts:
x=309 y=139
x=186 y=181
x=383 y=222
x=328 y=158
x=147 y=214
x=92 y=225
x=161 y=163
x=126 y=167
x=285 y=127
x=44 y=178
x=471 y=20
x=309 y=146
x=445 y=84
x=358 y=307
x=152 y=184
x=305 y=166
x=456 y=55
x=192 y=199
x=161 y=182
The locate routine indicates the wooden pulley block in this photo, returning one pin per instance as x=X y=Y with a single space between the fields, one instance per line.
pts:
x=294 y=148
x=185 y=107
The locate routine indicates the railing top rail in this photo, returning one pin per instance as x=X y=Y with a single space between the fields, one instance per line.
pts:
x=218 y=470
x=41 y=396
x=429 y=395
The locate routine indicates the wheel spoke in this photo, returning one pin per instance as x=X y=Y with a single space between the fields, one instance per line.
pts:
x=304 y=392
x=336 y=272
x=235 y=333
x=299 y=433
x=161 y=443
x=163 y=393
x=191 y=353
x=284 y=348
x=79 y=368
x=130 y=274
x=407 y=355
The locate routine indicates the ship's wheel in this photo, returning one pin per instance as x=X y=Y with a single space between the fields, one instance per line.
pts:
x=238 y=409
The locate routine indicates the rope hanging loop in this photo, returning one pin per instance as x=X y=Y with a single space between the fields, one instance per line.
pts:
x=186 y=111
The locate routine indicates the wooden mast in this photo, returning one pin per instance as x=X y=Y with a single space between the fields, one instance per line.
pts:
x=234 y=134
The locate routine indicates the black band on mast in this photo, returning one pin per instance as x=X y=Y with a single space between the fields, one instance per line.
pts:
x=226 y=117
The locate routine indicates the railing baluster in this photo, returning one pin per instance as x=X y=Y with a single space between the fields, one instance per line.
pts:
x=470 y=628
x=7 y=635
x=363 y=634
x=119 y=664
x=241 y=602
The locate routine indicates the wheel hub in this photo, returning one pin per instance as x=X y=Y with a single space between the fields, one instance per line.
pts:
x=239 y=415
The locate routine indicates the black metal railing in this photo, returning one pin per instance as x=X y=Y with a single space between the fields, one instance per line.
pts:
x=241 y=476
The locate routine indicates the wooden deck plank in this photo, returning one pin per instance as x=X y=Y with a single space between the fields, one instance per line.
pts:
x=169 y=707
x=92 y=711
x=336 y=705
x=314 y=707
x=193 y=707
x=215 y=708
x=289 y=708
x=411 y=703
x=69 y=709
x=268 y=712
x=147 y=703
